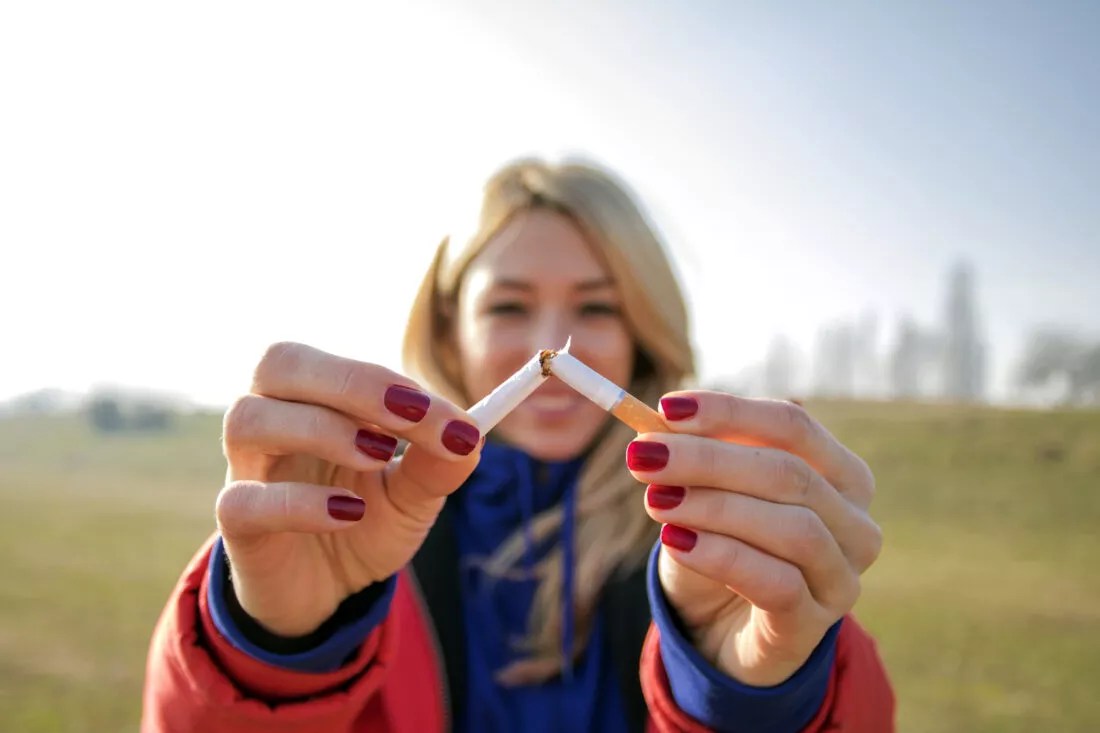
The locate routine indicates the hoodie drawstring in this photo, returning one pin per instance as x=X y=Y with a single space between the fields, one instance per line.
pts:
x=568 y=526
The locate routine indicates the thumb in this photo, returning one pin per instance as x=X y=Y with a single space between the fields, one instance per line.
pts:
x=418 y=482
x=249 y=508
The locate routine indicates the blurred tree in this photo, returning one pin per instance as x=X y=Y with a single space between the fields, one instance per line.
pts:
x=1054 y=355
x=106 y=414
x=834 y=361
x=963 y=352
x=907 y=361
x=147 y=416
x=867 y=376
x=780 y=365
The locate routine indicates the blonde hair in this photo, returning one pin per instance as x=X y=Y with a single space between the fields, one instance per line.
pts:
x=613 y=533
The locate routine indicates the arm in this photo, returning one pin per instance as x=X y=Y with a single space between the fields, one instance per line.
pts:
x=858 y=697
x=197 y=680
x=766 y=532
x=721 y=703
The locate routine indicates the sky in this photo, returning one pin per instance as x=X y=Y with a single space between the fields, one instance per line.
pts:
x=183 y=184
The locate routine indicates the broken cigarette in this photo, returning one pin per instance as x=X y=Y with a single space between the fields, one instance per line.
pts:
x=605 y=393
x=496 y=405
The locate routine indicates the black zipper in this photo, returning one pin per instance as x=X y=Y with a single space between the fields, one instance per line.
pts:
x=444 y=691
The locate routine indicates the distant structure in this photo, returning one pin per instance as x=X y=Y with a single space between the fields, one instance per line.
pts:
x=963 y=355
x=945 y=361
x=834 y=361
x=868 y=369
x=1060 y=367
x=780 y=366
x=907 y=361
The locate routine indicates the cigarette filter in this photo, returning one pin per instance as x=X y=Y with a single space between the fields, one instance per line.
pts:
x=605 y=393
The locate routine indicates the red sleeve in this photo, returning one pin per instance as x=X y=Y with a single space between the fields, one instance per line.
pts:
x=860 y=698
x=196 y=681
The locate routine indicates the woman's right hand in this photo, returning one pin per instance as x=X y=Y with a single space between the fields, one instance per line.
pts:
x=313 y=509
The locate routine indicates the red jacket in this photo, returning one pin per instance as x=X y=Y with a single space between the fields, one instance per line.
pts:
x=197 y=681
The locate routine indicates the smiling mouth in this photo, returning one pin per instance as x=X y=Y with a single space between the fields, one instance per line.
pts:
x=553 y=396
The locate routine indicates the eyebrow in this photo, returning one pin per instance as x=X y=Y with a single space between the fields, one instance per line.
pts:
x=583 y=286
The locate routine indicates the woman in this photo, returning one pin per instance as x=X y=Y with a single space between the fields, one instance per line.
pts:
x=343 y=591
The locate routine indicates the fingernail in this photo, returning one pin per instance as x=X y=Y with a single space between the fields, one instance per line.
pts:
x=406 y=402
x=664 y=497
x=376 y=445
x=678 y=538
x=642 y=455
x=679 y=408
x=460 y=437
x=346 y=508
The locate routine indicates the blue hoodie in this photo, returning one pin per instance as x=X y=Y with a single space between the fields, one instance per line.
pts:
x=505 y=492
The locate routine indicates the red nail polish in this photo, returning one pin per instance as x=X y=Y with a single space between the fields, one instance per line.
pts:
x=678 y=538
x=346 y=508
x=643 y=455
x=679 y=408
x=664 y=497
x=376 y=445
x=460 y=437
x=406 y=402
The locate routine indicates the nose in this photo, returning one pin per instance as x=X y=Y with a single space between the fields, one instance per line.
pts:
x=550 y=331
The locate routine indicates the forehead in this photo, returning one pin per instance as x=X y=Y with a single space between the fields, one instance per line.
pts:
x=541 y=247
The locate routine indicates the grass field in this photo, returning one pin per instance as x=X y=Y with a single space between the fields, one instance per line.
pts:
x=986 y=600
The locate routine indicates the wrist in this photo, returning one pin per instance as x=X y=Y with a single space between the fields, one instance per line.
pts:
x=762 y=662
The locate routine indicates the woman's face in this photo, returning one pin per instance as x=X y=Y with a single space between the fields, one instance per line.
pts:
x=534 y=285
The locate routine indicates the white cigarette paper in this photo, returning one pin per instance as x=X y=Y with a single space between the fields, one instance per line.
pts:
x=495 y=406
x=605 y=393
x=587 y=381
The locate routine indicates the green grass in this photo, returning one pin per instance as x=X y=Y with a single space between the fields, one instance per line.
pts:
x=985 y=602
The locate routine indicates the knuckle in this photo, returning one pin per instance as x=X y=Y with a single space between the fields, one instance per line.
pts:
x=853 y=590
x=718 y=507
x=798 y=423
x=810 y=538
x=870 y=547
x=350 y=381
x=796 y=477
x=233 y=505
x=279 y=357
x=241 y=420
x=788 y=592
x=731 y=558
x=868 y=477
x=710 y=460
x=728 y=412
x=844 y=594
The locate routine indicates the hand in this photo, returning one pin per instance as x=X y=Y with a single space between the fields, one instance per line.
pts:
x=313 y=509
x=763 y=550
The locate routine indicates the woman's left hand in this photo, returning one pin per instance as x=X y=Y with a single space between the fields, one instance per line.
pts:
x=767 y=528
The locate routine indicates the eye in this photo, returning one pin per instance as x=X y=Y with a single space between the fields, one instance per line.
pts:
x=507 y=308
x=597 y=309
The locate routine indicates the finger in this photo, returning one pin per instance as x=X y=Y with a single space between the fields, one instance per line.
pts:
x=765 y=581
x=366 y=392
x=249 y=508
x=791 y=533
x=771 y=423
x=417 y=483
x=765 y=473
x=274 y=427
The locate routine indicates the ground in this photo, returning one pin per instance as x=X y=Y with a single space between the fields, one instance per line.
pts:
x=985 y=601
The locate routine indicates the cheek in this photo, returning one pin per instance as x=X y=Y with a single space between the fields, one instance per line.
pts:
x=611 y=353
x=489 y=354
